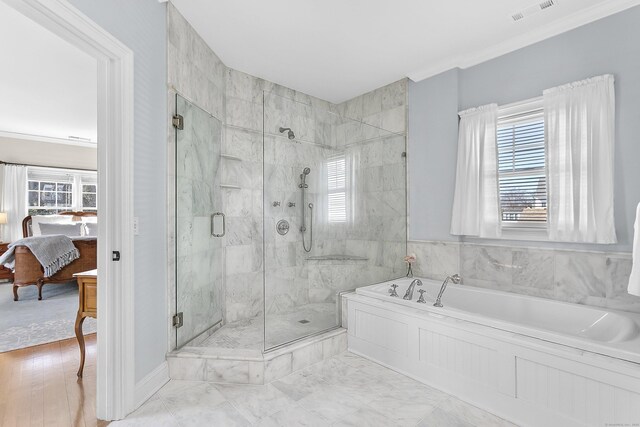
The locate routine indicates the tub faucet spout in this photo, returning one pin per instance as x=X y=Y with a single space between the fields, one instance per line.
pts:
x=455 y=279
x=409 y=294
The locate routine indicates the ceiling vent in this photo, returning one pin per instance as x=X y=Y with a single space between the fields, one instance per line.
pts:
x=532 y=10
x=546 y=4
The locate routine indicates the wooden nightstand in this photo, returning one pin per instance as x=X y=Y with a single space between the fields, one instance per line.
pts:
x=5 y=273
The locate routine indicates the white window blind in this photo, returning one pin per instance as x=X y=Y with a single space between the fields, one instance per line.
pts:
x=337 y=189
x=522 y=168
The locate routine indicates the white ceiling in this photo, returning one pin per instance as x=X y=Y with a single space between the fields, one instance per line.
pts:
x=47 y=86
x=338 y=49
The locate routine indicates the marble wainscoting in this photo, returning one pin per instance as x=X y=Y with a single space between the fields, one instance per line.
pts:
x=251 y=365
x=591 y=278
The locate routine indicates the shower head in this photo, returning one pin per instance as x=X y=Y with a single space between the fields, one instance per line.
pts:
x=306 y=171
x=290 y=133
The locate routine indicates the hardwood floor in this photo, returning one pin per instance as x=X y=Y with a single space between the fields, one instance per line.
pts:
x=39 y=386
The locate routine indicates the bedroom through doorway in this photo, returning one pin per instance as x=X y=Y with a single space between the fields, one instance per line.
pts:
x=48 y=196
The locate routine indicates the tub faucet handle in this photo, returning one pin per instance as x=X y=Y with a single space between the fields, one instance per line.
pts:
x=392 y=291
x=421 y=299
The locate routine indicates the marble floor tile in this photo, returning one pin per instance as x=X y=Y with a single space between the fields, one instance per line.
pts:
x=256 y=402
x=441 y=418
x=366 y=417
x=294 y=416
x=345 y=390
x=300 y=384
x=224 y=414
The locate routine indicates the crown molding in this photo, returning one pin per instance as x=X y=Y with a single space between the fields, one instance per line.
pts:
x=555 y=28
x=42 y=138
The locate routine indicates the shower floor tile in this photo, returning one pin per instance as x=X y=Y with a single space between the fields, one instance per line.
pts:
x=281 y=328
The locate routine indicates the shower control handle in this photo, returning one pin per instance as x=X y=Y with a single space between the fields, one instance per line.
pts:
x=213 y=222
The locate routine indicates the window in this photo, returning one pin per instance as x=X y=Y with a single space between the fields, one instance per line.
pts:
x=89 y=197
x=522 y=175
x=49 y=196
x=337 y=189
x=51 y=191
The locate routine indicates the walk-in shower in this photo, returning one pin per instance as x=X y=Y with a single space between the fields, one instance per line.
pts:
x=303 y=227
x=300 y=217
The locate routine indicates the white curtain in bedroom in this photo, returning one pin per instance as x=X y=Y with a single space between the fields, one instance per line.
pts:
x=13 y=200
x=476 y=209
x=580 y=133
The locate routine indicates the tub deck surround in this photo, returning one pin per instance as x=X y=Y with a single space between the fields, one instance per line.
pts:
x=251 y=365
x=499 y=353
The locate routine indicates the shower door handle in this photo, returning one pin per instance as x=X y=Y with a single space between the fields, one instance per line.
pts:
x=214 y=216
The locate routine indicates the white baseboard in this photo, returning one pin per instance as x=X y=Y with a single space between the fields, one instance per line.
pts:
x=151 y=383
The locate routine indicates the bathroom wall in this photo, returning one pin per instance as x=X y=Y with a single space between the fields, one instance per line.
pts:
x=588 y=274
x=141 y=25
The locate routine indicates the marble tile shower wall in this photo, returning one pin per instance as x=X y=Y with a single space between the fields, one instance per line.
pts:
x=375 y=141
x=590 y=278
x=285 y=269
x=197 y=73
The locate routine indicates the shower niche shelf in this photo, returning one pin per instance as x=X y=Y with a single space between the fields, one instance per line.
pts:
x=230 y=157
x=231 y=186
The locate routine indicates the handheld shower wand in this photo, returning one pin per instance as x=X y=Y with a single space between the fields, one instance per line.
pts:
x=303 y=184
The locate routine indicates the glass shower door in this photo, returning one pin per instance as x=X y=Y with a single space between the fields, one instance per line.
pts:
x=199 y=221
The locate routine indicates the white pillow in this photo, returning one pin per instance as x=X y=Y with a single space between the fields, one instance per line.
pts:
x=36 y=220
x=70 y=230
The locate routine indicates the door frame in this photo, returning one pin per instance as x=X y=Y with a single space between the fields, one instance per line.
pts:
x=115 y=355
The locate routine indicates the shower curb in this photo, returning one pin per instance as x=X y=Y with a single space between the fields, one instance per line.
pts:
x=241 y=366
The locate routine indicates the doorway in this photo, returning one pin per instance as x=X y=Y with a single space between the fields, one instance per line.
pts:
x=114 y=391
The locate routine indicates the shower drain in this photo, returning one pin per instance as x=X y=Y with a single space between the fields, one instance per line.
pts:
x=303 y=321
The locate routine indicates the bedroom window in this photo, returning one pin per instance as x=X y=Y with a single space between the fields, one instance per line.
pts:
x=51 y=191
x=337 y=189
x=522 y=174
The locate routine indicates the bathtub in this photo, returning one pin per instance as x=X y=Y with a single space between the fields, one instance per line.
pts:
x=531 y=360
x=611 y=333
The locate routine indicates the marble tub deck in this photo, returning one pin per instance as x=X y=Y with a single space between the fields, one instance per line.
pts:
x=343 y=390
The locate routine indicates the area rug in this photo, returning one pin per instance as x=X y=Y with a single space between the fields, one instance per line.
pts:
x=30 y=322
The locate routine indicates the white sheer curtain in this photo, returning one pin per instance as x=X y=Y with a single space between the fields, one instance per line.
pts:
x=476 y=210
x=13 y=200
x=579 y=126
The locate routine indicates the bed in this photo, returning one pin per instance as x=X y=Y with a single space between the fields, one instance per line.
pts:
x=29 y=272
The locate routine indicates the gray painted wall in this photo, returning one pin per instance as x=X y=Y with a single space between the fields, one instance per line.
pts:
x=605 y=46
x=141 y=25
x=433 y=135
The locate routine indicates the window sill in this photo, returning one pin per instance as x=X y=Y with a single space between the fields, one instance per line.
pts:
x=514 y=232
